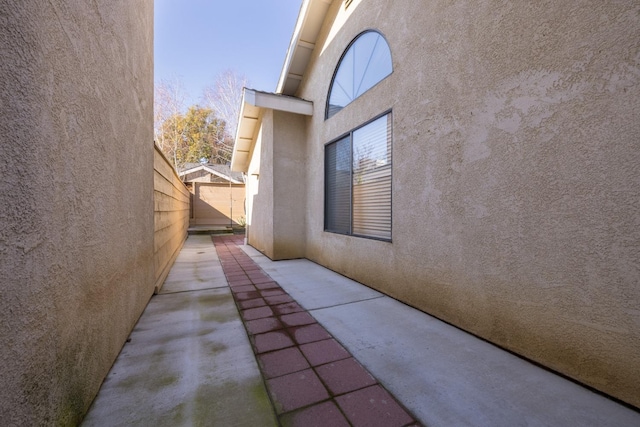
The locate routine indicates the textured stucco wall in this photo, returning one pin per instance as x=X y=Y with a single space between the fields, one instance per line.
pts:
x=259 y=189
x=170 y=216
x=76 y=198
x=289 y=195
x=516 y=187
x=276 y=196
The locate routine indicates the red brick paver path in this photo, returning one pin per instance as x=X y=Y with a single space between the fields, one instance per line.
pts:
x=312 y=380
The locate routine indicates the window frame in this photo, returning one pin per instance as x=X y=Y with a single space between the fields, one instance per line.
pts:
x=349 y=134
x=337 y=68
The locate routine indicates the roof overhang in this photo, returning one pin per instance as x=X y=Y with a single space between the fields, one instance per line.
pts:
x=253 y=104
x=303 y=42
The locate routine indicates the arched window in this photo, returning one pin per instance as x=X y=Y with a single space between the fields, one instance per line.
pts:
x=365 y=63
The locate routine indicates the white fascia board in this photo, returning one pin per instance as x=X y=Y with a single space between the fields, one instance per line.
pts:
x=278 y=102
x=295 y=37
x=253 y=101
x=309 y=23
x=239 y=159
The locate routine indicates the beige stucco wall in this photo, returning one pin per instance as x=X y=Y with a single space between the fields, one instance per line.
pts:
x=76 y=198
x=276 y=194
x=170 y=216
x=516 y=185
x=259 y=187
x=289 y=207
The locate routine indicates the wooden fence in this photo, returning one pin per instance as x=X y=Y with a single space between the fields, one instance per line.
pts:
x=170 y=217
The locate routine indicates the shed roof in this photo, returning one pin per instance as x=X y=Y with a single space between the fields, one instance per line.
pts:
x=222 y=171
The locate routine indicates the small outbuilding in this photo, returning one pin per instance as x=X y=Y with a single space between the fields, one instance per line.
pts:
x=217 y=194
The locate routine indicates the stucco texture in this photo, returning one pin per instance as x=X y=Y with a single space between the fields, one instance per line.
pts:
x=289 y=171
x=260 y=189
x=516 y=186
x=276 y=193
x=76 y=198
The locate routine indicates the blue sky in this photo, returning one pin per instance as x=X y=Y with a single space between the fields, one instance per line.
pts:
x=197 y=39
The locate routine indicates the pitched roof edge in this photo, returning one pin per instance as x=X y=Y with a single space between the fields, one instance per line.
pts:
x=278 y=102
x=211 y=171
x=310 y=19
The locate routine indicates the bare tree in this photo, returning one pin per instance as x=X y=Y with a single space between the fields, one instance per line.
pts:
x=168 y=103
x=223 y=97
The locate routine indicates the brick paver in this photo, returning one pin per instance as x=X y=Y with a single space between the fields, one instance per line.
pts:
x=312 y=380
x=281 y=362
x=309 y=333
x=373 y=406
x=321 y=352
x=344 y=376
x=320 y=415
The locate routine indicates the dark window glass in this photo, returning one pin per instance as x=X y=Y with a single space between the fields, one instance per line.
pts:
x=358 y=181
x=338 y=186
x=365 y=63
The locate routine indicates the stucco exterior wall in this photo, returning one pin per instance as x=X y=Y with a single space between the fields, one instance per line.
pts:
x=259 y=189
x=289 y=195
x=170 y=216
x=516 y=185
x=76 y=198
x=276 y=191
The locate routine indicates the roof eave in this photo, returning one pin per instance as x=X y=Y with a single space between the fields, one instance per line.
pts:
x=253 y=104
x=303 y=42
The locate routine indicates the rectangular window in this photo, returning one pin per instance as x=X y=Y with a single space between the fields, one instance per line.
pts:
x=358 y=181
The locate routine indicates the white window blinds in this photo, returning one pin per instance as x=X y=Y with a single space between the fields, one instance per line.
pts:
x=358 y=181
x=372 y=179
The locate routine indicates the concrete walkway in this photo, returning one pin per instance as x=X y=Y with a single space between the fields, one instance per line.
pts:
x=312 y=379
x=190 y=361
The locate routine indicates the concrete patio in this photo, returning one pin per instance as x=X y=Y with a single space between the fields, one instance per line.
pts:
x=236 y=339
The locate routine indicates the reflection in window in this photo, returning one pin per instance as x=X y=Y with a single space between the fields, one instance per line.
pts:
x=338 y=186
x=365 y=63
x=358 y=181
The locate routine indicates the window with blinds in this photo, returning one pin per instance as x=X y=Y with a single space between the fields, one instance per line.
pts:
x=358 y=181
x=338 y=186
